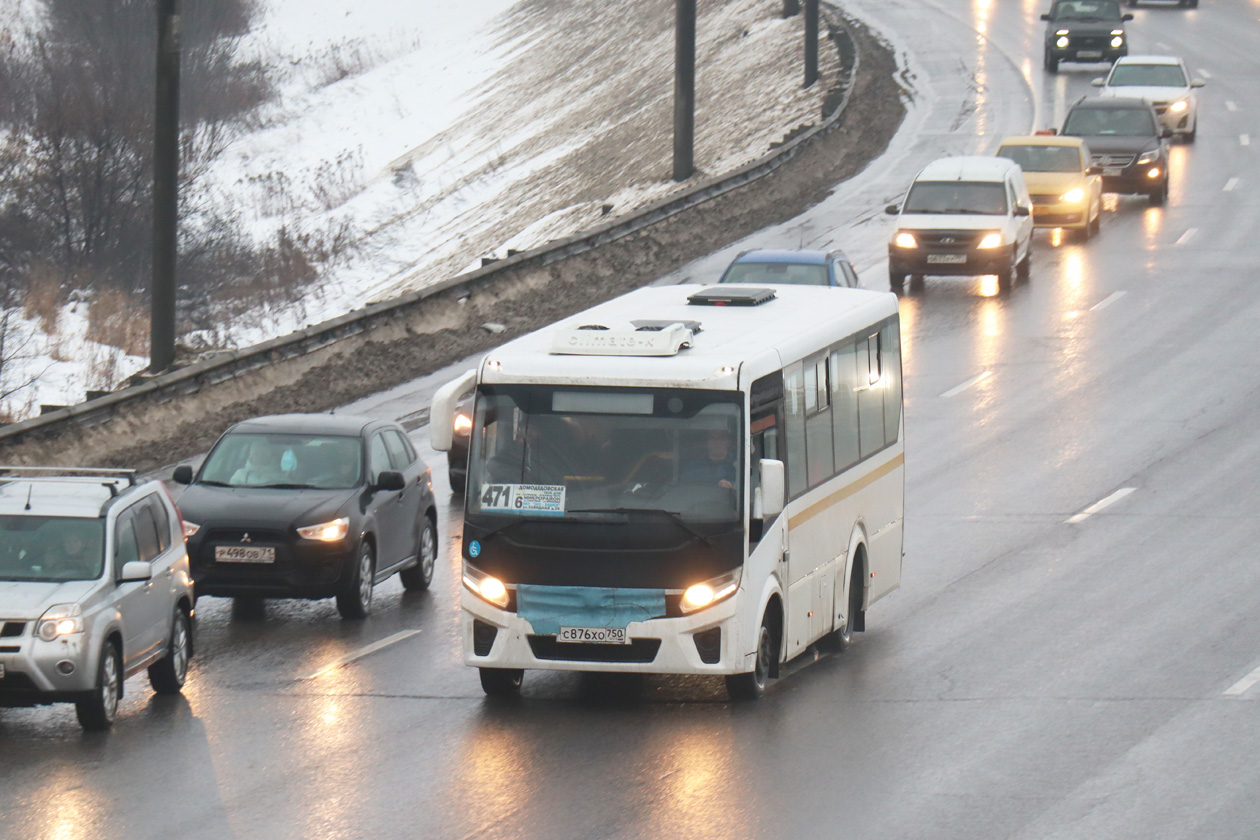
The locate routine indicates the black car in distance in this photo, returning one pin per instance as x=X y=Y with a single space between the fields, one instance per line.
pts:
x=1084 y=30
x=1127 y=143
x=310 y=506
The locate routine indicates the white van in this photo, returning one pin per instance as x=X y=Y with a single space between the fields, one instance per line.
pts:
x=963 y=216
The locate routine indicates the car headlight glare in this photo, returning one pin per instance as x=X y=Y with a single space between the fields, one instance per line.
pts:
x=991 y=240
x=487 y=587
x=190 y=528
x=905 y=240
x=709 y=592
x=1179 y=106
x=1073 y=196
x=60 y=620
x=333 y=531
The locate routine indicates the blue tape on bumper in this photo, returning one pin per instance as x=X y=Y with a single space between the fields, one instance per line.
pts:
x=548 y=608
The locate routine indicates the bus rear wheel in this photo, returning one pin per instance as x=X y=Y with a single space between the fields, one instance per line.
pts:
x=752 y=685
x=501 y=682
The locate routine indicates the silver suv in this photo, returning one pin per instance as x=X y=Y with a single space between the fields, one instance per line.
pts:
x=94 y=587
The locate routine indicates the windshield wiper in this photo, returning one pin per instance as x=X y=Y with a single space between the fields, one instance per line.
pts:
x=676 y=517
x=282 y=486
x=216 y=483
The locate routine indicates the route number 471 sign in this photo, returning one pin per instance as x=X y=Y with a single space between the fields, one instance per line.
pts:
x=533 y=499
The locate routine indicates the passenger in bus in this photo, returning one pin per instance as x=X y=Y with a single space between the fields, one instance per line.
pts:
x=717 y=464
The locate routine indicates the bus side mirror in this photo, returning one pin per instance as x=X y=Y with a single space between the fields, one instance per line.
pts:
x=442 y=412
x=771 y=488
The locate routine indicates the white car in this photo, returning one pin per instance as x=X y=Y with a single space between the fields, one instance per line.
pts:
x=1161 y=80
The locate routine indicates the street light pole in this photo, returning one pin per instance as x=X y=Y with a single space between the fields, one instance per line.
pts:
x=684 y=89
x=165 y=188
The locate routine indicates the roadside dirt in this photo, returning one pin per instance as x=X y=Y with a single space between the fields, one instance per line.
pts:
x=521 y=299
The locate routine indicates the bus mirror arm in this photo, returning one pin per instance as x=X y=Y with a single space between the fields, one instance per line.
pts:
x=771 y=489
x=442 y=412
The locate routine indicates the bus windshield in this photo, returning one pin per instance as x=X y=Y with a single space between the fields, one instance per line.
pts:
x=575 y=453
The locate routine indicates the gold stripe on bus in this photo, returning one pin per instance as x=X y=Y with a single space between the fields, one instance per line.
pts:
x=846 y=491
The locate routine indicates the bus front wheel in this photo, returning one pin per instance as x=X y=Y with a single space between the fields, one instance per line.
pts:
x=501 y=682
x=752 y=685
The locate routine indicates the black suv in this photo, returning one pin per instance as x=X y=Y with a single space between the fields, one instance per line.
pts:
x=1126 y=142
x=1085 y=30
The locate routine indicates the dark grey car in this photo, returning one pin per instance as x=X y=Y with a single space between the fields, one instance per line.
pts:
x=310 y=506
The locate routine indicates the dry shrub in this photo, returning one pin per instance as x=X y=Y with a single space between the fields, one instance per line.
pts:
x=119 y=319
x=44 y=298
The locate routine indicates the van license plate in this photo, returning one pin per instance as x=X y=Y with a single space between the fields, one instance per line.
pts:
x=949 y=259
x=1089 y=54
x=593 y=635
x=244 y=554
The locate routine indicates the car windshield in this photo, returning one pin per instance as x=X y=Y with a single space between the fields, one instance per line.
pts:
x=778 y=273
x=1098 y=122
x=1147 y=75
x=51 y=549
x=985 y=198
x=1043 y=158
x=591 y=453
x=1086 y=10
x=284 y=460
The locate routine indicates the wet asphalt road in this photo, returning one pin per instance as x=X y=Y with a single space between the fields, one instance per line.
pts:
x=1034 y=678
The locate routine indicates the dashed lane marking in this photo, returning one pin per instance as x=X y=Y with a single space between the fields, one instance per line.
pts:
x=360 y=653
x=1107 y=301
x=973 y=381
x=1099 y=505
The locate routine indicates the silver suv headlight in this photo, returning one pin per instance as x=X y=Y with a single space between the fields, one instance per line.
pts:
x=60 y=620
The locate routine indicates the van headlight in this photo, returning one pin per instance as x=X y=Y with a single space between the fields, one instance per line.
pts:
x=991 y=240
x=1062 y=42
x=709 y=592
x=487 y=587
x=1072 y=196
x=60 y=620
x=1179 y=106
x=905 y=240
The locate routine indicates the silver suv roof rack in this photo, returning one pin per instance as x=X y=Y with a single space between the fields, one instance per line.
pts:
x=54 y=473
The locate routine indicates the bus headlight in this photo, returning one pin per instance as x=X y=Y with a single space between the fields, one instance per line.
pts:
x=992 y=240
x=60 y=620
x=705 y=594
x=486 y=587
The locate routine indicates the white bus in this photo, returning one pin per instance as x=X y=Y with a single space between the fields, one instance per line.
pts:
x=684 y=480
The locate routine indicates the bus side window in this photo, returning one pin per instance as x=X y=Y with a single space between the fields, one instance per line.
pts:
x=870 y=395
x=890 y=342
x=794 y=433
x=844 y=406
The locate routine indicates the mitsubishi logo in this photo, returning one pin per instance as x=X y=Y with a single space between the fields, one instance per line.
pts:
x=246 y=538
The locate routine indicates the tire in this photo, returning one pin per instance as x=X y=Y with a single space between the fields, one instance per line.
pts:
x=355 y=601
x=458 y=482
x=1095 y=224
x=1051 y=63
x=419 y=576
x=168 y=674
x=896 y=282
x=1192 y=133
x=1023 y=268
x=1007 y=275
x=1159 y=196
x=916 y=282
x=501 y=682
x=750 y=686
x=97 y=710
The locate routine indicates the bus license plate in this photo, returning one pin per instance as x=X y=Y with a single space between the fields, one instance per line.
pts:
x=593 y=635
x=244 y=554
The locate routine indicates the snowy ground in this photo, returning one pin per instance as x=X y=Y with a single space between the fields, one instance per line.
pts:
x=446 y=133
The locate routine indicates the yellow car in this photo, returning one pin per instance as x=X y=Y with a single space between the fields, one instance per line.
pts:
x=1066 y=189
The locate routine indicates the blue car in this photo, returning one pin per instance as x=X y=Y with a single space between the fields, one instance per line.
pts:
x=794 y=268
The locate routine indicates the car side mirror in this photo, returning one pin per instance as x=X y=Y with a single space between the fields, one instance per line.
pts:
x=1165 y=132
x=892 y=209
x=390 y=480
x=1022 y=210
x=134 y=571
x=1045 y=17
x=1098 y=82
x=1126 y=18
x=183 y=474
x=771 y=488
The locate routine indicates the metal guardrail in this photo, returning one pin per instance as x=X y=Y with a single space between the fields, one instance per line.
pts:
x=234 y=363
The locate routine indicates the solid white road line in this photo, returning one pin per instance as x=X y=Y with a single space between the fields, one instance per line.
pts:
x=975 y=380
x=1107 y=301
x=1099 y=505
x=360 y=653
x=1230 y=184
x=1187 y=236
x=1241 y=687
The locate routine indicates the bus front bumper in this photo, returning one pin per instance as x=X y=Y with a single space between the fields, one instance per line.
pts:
x=706 y=642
